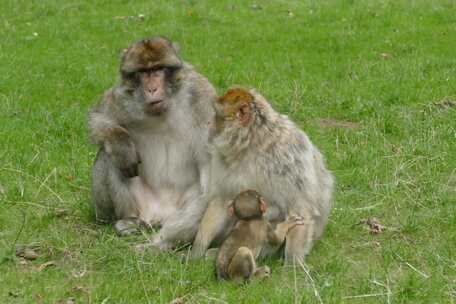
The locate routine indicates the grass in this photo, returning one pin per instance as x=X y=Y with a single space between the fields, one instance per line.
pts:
x=389 y=67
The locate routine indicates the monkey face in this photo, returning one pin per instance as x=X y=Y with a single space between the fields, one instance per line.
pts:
x=234 y=106
x=149 y=67
x=154 y=90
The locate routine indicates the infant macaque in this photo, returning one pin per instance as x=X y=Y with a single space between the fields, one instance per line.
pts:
x=236 y=259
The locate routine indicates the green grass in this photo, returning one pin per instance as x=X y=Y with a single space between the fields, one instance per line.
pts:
x=321 y=61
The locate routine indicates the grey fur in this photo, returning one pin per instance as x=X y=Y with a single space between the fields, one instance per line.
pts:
x=273 y=156
x=171 y=148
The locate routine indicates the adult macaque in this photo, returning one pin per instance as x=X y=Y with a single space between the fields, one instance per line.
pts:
x=152 y=130
x=254 y=147
x=236 y=259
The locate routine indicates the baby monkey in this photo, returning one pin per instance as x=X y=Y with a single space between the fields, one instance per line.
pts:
x=251 y=233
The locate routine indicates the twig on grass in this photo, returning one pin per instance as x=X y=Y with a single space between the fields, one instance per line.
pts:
x=366 y=295
x=295 y=283
x=141 y=279
x=367 y=207
x=215 y=299
x=105 y=300
x=53 y=171
x=26 y=203
x=424 y=275
x=36 y=180
x=316 y=293
x=13 y=246
x=386 y=286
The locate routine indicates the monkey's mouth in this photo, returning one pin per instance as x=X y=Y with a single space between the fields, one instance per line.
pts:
x=155 y=102
x=154 y=106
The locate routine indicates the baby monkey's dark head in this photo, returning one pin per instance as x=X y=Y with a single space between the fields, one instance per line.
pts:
x=248 y=205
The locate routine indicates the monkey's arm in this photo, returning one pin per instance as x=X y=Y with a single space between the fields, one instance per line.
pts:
x=114 y=139
x=277 y=237
x=215 y=221
x=181 y=227
x=101 y=120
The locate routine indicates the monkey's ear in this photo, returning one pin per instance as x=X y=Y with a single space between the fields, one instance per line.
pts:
x=231 y=208
x=176 y=47
x=263 y=206
x=243 y=114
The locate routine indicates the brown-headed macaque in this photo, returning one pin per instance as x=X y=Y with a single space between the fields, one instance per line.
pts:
x=236 y=258
x=254 y=147
x=152 y=131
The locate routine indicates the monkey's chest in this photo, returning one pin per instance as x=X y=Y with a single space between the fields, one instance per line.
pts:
x=230 y=180
x=167 y=169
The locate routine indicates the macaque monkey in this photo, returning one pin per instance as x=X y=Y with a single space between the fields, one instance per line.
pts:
x=152 y=129
x=254 y=147
x=236 y=259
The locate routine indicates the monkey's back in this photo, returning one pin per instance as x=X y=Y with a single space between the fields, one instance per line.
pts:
x=275 y=157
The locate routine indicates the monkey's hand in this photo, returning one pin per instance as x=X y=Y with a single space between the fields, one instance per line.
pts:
x=294 y=220
x=123 y=154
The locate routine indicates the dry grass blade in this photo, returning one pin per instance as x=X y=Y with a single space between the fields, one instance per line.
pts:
x=369 y=295
x=424 y=275
x=46 y=265
x=178 y=301
x=332 y=123
x=306 y=270
x=446 y=103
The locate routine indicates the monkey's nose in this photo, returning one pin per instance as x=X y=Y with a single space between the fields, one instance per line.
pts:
x=153 y=90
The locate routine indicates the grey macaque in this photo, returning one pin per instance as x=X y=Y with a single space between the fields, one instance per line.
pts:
x=152 y=132
x=254 y=147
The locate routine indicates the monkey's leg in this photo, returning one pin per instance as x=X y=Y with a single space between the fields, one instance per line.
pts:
x=299 y=241
x=242 y=265
x=104 y=207
x=182 y=226
x=213 y=223
x=111 y=192
x=126 y=207
x=211 y=254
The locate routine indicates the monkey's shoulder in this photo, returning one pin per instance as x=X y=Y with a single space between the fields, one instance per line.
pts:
x=116 y=104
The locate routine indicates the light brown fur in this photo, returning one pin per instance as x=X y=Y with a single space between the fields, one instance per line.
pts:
x=236 y=259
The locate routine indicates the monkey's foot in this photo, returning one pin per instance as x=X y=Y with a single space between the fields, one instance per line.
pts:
x=199 y=250
x=147 y=247
x=126 y=227
x=130 y=226
x=162 y=245
x=262 y=272
x=211 y=254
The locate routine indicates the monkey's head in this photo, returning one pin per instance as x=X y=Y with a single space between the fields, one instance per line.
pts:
x=148 y=69
x=235 y=107
x=247 y=205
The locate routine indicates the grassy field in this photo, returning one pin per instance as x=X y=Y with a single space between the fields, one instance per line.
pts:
x=373 y=83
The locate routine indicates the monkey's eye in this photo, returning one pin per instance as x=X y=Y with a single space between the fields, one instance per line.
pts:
x=169 y=71
x=133 y=77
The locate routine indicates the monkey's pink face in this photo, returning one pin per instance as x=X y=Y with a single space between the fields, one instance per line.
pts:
x=153 y=85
